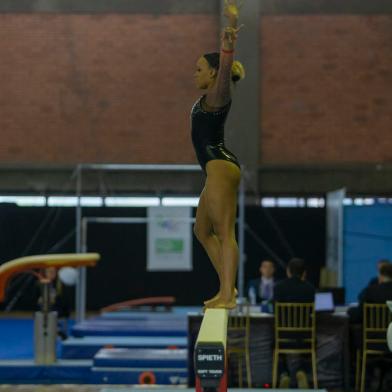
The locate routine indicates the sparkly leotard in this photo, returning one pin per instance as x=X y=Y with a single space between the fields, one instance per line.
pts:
x=208 y=127
x=208 y=134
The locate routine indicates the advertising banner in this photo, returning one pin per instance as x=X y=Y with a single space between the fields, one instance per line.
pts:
x=169 y=241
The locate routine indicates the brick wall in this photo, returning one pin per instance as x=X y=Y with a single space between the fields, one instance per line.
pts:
x=111 y=88
x=118 y=88
x=326 y=89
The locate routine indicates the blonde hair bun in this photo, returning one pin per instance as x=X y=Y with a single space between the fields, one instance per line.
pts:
x=237 y=71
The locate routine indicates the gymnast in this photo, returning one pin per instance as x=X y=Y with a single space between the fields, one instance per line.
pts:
x=216 y=73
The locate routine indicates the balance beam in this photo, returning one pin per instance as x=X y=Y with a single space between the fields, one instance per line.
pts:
x=210 y=352
x=29 y=263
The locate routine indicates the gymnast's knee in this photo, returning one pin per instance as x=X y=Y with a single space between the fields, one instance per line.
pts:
x=199 y=233
x=225 y=234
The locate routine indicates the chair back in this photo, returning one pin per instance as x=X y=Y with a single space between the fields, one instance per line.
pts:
x=238 y=328
x=294 y=321
x=376 y=319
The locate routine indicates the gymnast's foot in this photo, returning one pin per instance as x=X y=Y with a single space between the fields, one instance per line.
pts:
x=213 y=299
x=220 y=302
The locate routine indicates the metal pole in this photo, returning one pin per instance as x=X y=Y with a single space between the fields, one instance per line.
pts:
x=82 y=276
x=79 y=305
x=119 y=220
x=340 y=239
x=78 y=207
x=138 y=167
x=241 y=237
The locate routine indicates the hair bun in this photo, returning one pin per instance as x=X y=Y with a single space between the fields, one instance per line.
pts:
x=237 y=71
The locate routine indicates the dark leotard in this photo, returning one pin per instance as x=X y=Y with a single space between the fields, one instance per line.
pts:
x=208 y=134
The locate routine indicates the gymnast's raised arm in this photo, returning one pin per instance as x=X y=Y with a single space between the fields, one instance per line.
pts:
x=220 y=94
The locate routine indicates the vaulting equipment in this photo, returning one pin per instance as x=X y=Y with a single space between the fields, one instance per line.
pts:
x=45 y=323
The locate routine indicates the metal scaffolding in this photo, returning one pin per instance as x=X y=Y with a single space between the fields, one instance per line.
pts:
x=82 y=222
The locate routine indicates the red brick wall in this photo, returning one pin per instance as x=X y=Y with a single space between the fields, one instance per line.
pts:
x=326 y=89
x=112 y=88
x=118 y=88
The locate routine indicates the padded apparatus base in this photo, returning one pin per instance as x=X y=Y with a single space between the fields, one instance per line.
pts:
x=144 y=327
x=131 y=358
x=86 y=348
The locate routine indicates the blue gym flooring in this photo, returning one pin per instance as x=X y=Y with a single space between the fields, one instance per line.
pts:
x=118 y=348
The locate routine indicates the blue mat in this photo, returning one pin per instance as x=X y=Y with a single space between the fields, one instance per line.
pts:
x=82 y=372
x=131 y=327
x=63 y=372
x=132 y=376
x=136 y=358
x=17 y=343
x=86 y=348
x=178 y=311
x=16 y=338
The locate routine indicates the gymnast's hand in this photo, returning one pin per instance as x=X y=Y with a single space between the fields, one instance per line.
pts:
x=230 y=34
x=232 y=10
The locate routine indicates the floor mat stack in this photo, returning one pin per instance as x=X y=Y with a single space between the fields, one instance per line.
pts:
x=132 y=347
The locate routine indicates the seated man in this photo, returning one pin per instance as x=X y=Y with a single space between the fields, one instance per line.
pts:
x=376 y=293
x=294 y=289
x=376 y=279
x=262 y=288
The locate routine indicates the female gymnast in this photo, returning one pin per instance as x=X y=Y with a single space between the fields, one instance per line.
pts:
x=216 y=212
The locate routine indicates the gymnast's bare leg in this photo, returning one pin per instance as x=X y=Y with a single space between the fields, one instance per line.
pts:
x=215 y=227
x=204 y=232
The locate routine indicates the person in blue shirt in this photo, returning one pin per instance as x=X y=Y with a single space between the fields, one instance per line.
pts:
x=262 y=288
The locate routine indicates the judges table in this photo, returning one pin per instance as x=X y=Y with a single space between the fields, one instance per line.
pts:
x=333 y=362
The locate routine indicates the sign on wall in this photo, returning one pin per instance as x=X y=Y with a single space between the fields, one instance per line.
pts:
x=169 y=239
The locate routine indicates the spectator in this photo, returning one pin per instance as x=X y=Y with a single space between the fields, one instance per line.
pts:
x=376 y=279
x=376 y=293
x=294 y=289
x=262 y=288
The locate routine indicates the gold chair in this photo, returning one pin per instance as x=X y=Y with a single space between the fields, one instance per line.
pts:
x=295 y=324
x=238 y=333
x=376 y=319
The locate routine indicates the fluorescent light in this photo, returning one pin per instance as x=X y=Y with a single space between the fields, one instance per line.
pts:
x=287 y=202
x=72 y=201
x=301 y=202
x=368 y=201
x=268 y=202
x=62 y=201
x=292 y=202
x=347 y=201
x=132 y=201
x=180 y=201
x=315 y=202
x=25 y=201
x=91 y=201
